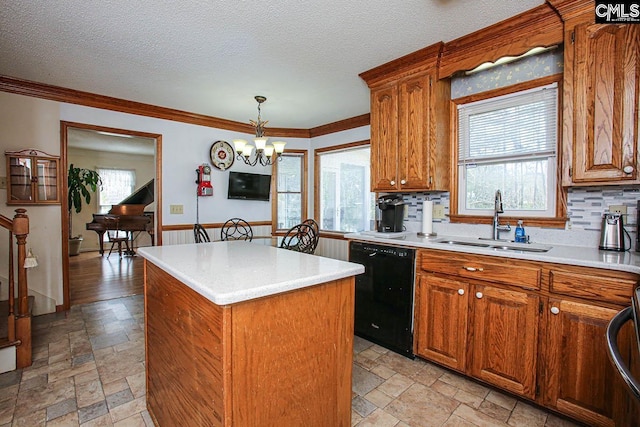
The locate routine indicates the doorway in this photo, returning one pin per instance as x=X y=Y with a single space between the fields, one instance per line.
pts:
x=91 y=276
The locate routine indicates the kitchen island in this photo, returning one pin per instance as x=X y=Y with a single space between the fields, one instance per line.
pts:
x=243 y=334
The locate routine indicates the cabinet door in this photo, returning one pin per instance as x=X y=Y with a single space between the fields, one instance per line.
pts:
x=413 y=133
x=441 y=320
x=384 y=138
x=505 y=337
x=580 y=380
x=605 y=94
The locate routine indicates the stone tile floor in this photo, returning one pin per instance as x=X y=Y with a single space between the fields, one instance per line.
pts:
x=88 y=370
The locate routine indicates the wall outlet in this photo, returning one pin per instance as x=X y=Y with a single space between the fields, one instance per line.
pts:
x=438 y=211
x=621 y=209
x=176 y=209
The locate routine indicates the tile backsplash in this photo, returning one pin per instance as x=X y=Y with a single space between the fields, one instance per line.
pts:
x=585 y=206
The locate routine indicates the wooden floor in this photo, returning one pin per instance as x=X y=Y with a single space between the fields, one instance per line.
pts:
x=97 y=278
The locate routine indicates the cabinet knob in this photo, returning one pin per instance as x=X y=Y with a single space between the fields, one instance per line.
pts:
x=479 y=295
x=555 y=310
x=628 y=169
x=392 y=182
x=403 y=181
x=460 y=291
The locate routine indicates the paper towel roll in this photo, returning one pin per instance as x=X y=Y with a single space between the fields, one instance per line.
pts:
x=427 y=217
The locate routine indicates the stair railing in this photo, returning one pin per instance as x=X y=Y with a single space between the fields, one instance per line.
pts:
x=19 y=321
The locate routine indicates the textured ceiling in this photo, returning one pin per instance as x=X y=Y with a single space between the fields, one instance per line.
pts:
x=212 y=57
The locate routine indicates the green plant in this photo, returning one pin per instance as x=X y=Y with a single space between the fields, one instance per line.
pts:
x=81 y=184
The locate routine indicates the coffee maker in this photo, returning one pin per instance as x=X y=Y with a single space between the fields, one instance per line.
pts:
x=391 y=213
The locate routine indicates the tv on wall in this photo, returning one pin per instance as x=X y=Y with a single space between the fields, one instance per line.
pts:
x=249 y=186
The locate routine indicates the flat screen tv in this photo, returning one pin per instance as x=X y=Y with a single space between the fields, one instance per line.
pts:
x=249 y=186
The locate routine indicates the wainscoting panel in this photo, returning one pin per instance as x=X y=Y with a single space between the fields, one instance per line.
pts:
x=261 y=234
x=333 y=248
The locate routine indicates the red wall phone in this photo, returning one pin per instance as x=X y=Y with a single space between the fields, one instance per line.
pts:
x=204 y=180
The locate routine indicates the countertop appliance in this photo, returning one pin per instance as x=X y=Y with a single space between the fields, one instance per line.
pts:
x=391 y=213
x=384 y=295
x=612 y=232
x=617 y=357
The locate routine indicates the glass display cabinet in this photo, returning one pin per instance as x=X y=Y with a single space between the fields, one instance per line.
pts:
x=33 y=177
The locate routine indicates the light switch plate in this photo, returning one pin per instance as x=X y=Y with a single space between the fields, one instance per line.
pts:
x=621 y=209
x=3 y=182
x=438 y=212
x=176 y=209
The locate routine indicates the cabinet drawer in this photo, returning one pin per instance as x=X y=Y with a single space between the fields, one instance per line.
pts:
x=593 y=284
x=493 y=269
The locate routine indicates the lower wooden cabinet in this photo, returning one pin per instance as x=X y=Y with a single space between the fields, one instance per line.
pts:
x=538 y=333
x=579 y=380
x=505 y=338
x=488 y=332
x=441 y=327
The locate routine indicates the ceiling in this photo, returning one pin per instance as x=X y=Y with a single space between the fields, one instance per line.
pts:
x=212 y=57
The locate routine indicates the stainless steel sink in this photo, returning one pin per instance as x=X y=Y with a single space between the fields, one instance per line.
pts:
x=521 y=248
x=464 y=243
x=498 y=245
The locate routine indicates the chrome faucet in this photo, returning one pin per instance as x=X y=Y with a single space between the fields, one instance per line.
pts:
x=497 y=210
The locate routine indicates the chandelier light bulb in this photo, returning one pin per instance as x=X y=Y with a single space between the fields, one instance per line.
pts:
x=279 y=146
x=268 y=150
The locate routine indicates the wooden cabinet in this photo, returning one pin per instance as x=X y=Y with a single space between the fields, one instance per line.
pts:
x=441 y=327
x=600 y=114
x=505 y=338
x=580 y=381
x=409 y=124
x=531 y=328
x=33 y=178
x=486 y=330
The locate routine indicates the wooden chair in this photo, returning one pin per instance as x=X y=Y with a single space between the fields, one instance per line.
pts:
x=300 y=238
x=236 y=229
x=116 y=236
x=200 y=234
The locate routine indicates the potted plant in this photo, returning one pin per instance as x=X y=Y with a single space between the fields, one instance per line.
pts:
x=81 y=184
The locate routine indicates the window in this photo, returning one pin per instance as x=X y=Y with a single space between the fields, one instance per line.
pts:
x=345 y=202
x=289 y=206
x=117 y=184
x=509 y=143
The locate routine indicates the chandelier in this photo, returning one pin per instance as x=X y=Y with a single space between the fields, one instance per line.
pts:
x=264 y=153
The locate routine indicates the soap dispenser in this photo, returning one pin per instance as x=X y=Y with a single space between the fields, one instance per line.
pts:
x=520 y=236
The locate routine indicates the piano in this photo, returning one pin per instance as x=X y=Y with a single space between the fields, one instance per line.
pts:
x=131 y=215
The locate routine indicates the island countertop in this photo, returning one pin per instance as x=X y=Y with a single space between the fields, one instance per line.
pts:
x=235 y=271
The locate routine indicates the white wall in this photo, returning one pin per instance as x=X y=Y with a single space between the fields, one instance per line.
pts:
x=34 y=123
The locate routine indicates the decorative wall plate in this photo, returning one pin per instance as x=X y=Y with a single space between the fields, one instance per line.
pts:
x=222 y=155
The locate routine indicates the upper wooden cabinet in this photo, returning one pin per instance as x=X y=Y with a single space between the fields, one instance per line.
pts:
x=600 y=112
x=409 y=124
x=33 y=178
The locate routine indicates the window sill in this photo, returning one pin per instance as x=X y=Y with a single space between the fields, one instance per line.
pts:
x=534 y=222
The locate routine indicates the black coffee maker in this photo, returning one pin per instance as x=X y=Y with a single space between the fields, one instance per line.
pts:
x=391 y=213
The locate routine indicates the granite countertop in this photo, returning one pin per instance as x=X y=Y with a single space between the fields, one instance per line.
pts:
x=560 y=254
x=231 y=272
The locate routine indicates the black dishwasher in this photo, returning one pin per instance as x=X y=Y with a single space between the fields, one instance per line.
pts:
x=384 y=295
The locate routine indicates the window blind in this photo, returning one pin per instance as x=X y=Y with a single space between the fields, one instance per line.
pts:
x=511 y=127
